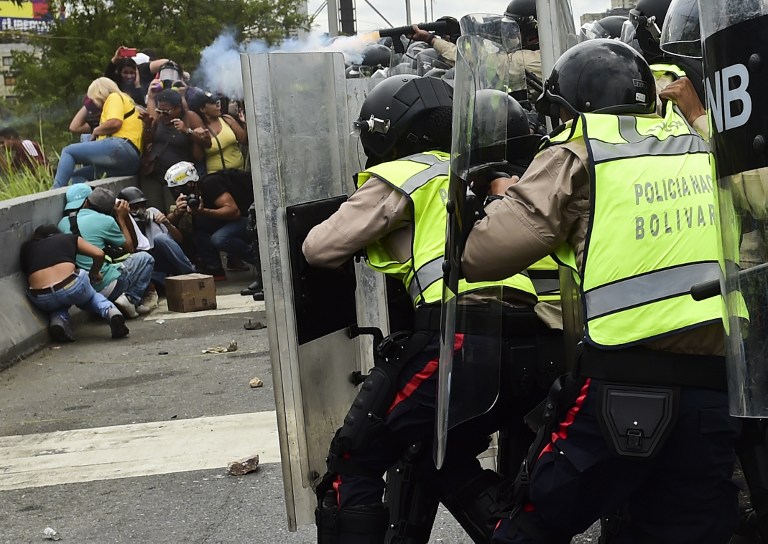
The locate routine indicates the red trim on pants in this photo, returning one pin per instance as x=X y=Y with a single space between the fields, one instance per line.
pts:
x=425 y=373
x=562 y=430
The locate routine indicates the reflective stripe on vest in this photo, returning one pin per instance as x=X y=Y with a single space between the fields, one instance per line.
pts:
x=545 y=278
x=653 y=230
x=662 y=69
x=423 y=178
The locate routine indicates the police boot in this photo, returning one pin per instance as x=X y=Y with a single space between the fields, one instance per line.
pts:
x=353 y=525
x=478 y=505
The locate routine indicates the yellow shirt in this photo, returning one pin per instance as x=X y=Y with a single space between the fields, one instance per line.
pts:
x=117 y=106
x=224 y=148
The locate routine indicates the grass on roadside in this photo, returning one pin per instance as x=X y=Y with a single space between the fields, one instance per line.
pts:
x=25 y=181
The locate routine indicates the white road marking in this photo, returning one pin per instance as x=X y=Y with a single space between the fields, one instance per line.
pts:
x=225 y=304
x=142 y=449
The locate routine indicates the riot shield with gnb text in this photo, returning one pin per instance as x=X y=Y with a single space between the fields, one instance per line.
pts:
x=736 y=69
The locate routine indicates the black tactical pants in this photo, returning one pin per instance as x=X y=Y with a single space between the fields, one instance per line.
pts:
x=411 y=419
x=683 y=495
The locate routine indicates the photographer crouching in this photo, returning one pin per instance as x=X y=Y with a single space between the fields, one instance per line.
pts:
x=218 y=204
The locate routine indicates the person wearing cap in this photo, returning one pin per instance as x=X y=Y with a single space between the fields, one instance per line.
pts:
x=175 y=134
x=163 y=237
x=226 y=134
x=55 y=282
x=218 y=204
x=116 y=141
x=98 y=217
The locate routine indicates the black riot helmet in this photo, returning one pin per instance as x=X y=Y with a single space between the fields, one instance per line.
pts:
x=604 y=76
x=607 y=27
x=376 y=55
x=524 y=13
x=681 y=32
x=643 y=30
x=132 y=195
x=454 y=30
x=403 y=115
x=497 y=116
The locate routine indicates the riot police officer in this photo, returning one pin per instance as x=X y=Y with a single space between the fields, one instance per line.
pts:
x=643 y=32
x=607 y=189
x=397 y=215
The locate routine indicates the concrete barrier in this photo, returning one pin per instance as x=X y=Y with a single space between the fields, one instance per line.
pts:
x=23 y=328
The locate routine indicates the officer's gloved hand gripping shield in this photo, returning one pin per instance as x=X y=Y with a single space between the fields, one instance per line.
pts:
x=471 y=314
x=736 y=79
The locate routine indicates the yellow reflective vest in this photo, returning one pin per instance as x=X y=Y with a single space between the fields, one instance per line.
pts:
x=653 y=230
x=423 y=179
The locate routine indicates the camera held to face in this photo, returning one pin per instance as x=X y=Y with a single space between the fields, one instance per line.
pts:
x=193 y=202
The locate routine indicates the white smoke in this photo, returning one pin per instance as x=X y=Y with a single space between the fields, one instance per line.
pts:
x=219 y=69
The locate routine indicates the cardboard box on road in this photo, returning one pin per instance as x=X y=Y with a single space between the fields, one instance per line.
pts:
x=190 y=293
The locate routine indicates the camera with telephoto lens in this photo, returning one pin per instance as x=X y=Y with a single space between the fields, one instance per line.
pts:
x=193 y=202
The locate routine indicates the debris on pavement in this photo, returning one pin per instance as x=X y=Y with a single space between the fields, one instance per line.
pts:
x=254 y=325
x=243 y=466
x=256 y=382
x=51 y=534
x=221 y=349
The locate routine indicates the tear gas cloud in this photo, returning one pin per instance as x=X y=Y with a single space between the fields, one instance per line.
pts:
x=219 y=68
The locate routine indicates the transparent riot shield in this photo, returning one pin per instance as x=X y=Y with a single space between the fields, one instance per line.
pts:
x=735 y=52
x=299 y=108
x=468 y=377
x=556 y=31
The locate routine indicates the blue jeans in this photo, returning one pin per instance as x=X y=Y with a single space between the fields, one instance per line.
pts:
x=135 y=275
x=214 y=236
x=170 y=260
x=110 y=157
x=80 y=293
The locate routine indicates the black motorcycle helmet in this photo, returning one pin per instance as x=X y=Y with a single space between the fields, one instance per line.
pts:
x=396 y=117
x=132 y=195
x=602 y=75
x=524 y=13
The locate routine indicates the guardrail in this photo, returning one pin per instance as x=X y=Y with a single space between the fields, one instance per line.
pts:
x=23 y=328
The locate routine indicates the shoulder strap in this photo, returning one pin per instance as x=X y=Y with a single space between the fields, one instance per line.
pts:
x=73 y=226
x=133 y=109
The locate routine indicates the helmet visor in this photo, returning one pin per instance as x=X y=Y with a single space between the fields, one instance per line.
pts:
x=592 y=31
x=681 y=34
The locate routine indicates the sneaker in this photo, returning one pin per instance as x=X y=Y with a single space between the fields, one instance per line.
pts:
x=236 y=265
x=126 y=306
x=61 y=331
x=150 y=300
x=142 y=309
x=117 y=323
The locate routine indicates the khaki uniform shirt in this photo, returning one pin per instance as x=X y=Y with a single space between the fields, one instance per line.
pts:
x=446 y=49
x=374 y=212
x=549 y=206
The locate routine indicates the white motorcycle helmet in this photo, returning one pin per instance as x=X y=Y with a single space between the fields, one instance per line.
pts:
x=180 y=174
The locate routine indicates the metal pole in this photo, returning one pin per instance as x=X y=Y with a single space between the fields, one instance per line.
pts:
x=426 y=18
x=333 y=18
x=408 y=12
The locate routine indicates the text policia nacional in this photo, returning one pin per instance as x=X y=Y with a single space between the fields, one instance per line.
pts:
x=679 y=216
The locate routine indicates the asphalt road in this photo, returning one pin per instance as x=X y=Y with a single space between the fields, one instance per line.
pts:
x=127 y=441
